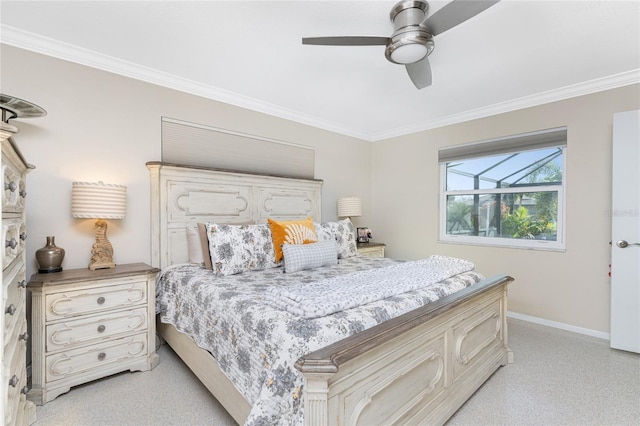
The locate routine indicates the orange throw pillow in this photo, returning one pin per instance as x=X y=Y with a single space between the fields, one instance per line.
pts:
x=291 y=232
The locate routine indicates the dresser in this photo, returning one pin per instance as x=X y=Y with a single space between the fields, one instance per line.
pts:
x=371 y=249
x=17 y=410
x=90 y=324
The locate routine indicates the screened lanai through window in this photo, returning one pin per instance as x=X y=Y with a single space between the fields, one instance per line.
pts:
x=513 y=197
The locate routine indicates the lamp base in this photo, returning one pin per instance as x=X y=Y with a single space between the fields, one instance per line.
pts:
x=102 y=251
x=101 y=265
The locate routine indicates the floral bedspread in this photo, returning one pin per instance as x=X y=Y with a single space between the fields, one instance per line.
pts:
x=256 y=344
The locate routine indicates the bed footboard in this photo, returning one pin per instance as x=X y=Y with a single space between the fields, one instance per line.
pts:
x=418 y=368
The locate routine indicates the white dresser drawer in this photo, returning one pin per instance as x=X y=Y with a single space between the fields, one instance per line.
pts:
x=14 y=280
x=17 y=350
x=89 y=330
x=13 y=239
x=13 y=325
x=16 y=382
x=13 y=321
x=94 y=300
x=14 y=371
x=78 y=361
x=13 y=183
x=14 y=285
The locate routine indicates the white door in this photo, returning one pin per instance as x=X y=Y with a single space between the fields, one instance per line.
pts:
x=625 y=233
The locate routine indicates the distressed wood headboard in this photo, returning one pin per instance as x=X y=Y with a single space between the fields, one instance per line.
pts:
x=187 y=195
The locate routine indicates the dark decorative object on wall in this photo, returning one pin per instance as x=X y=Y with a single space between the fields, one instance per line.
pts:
x=50 y=257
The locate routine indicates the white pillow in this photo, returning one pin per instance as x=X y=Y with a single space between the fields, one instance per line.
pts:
x=195 y=245
x=309 y=256
x=204 y=248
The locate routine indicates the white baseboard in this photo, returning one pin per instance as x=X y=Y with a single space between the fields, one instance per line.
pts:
x=560 y=325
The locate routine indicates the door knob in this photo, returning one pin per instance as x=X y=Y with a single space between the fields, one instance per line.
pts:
x=624 y=244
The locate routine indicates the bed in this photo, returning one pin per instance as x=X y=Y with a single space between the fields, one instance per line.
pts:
x=409 y=361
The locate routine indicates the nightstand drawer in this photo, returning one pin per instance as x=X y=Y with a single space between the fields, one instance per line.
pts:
x=371 y=249
x=84 y=331
x=94 y=300
x=79 y=361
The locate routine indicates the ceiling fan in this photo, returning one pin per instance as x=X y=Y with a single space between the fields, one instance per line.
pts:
x=412 y=38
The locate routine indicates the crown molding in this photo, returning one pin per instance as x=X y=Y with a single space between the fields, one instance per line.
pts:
x=36 y=43
x=61 y=50
x=598 y=85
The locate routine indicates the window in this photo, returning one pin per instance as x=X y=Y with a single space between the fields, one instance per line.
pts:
x=505 y=192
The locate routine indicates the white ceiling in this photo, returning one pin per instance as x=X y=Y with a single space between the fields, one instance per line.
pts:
x=249 y=53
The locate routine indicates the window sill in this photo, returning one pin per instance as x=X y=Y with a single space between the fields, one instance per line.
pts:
x=537 y=245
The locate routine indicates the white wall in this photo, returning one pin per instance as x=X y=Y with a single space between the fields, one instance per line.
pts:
x=102 y=126
x=571 y=287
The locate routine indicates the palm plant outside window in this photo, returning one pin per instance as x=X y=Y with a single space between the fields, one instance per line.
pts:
x=505 y=192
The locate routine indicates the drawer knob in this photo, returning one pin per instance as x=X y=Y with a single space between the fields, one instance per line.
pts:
x=11 y=309
x=101 y=328
x=22 y=284
x=11 y=186
x=13 y=381
x=23 y=193
x=24 y=336
x=100 y=300
x=101 y=356
x=23 y=236
x=11 y=243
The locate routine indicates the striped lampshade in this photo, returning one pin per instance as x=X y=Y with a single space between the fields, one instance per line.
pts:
x=98 y=200
x=349 y=207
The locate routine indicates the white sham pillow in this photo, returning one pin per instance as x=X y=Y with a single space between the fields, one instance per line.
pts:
x=194 y=245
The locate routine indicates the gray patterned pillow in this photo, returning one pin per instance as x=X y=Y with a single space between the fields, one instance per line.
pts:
x=235 y=249
x=343 y=232
x=323 y=231
x=309 y=256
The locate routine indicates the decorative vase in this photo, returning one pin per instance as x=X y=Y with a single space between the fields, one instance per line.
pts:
x=50 y=257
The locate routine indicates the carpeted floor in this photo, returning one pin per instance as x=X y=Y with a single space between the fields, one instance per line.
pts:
x=558 y=378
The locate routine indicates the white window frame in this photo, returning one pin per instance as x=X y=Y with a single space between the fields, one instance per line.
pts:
x=530 y=244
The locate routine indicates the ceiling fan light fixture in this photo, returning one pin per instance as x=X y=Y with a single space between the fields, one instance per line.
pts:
x=408 y=48
x=408 y=53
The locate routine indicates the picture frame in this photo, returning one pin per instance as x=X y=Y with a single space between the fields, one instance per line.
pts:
x=364 y=235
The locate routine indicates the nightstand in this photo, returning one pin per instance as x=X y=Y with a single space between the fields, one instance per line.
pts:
x=371 y=249
x=90 y=324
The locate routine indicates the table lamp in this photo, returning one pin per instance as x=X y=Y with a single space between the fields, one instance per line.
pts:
x=349 y=207
x=99 y=200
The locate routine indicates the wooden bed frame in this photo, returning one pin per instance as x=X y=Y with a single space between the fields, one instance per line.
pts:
x=417 y=368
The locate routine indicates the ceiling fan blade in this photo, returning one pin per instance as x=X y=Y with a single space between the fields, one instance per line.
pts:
x=420 y=72
x=347 y=41
x=455 y=13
